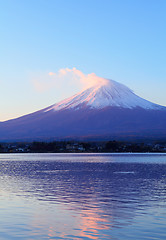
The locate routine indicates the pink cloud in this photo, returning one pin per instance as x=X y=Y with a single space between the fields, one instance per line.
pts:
x=66 y=77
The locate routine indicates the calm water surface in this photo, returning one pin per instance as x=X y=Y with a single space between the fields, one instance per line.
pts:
x=83 y=196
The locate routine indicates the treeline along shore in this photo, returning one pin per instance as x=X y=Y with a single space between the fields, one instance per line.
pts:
x=82 y=147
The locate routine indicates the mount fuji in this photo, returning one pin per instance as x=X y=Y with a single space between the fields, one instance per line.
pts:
x=107 y=110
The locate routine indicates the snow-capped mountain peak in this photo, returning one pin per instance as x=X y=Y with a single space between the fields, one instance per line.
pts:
x=108 y=110
x=106 y=93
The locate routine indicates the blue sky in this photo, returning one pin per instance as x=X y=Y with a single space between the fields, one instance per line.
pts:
x=120 y=40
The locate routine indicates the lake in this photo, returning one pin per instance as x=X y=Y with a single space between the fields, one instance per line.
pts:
x=83 y=196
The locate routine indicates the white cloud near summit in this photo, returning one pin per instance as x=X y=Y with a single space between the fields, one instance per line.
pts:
x=65 y=78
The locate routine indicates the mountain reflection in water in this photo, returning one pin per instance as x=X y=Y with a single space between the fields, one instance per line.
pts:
x=51 y=196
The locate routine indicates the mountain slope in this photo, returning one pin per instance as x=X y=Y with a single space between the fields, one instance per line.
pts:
x=108 y=110
x=107 y=93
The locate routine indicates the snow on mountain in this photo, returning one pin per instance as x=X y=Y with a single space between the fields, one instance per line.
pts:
x=107 y=93
x=108 y=110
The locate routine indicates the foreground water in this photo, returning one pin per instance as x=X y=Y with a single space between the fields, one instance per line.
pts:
x=83 y=196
